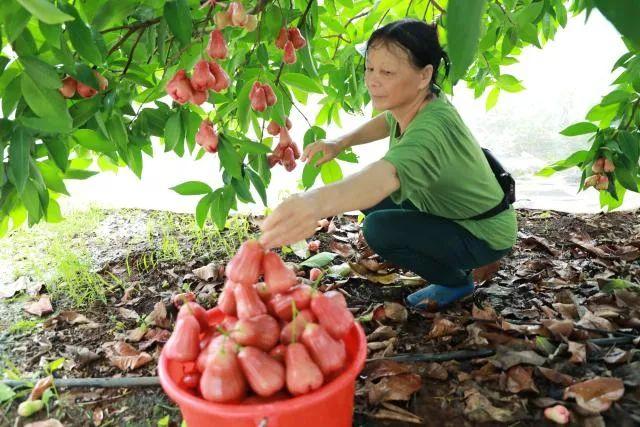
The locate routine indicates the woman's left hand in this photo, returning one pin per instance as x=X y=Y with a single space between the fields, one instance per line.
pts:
x=295 y=219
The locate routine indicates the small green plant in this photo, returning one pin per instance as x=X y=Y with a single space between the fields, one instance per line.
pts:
x=23 y=325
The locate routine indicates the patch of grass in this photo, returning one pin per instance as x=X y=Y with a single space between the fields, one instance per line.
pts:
x=23 y=325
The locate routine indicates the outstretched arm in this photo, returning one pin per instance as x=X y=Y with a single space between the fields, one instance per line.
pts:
x=296 y=217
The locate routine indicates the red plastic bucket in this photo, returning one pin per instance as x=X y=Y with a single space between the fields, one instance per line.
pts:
x=330 y=405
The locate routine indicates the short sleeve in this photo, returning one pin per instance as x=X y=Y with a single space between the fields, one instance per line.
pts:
x=417 y=159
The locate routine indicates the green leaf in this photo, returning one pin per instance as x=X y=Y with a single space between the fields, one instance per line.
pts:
x=58 y=152
x=52 y=178
x=83 y=110
x=51 y=33
x=53 y=215
x=202 y=209
x=492 y=98
x=93 y=141
x=192 y=188
x=243 y=110
x=243 y=192
x=250 y=147
x=178 y=17
x=624 y=15
x=46 y=103
x=45 y=11
x=118 y=132
x=319 y=260
x=78 y=174
x=31 y=201
x=258 y=184
x=45 y=125
x=6 y=392
x=229 y=158
x=630 y=145
x=627 y=178
x=302 y=82
x=616 y=97
x=463 y=32
x=19 y=153
x=330 y=172
x=310 y=172
x=82 y=38
x=14 y=23
x=222 y=202
x=41 y=72
x=173 y=132
x=509 y=83
x=11 y=96
x=579 y=129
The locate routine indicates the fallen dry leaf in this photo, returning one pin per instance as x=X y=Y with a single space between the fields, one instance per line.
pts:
x=51 y=422
x=559 y=328
x=556 y=377
x=578 y=352
x=506 y=358
x=391 y=311
x=125 y=313
x=397 y=387
x=567 y=311
x=531 y=242
x=385 y=368
x=81 y=355
x=597 y=394
x=442 y=328
x=41 y=386
x=343 y=249
x=584 y=242
x=364 y=273
x=589 y=320
x=396 y=413
x=383 y=332
x=158 y=316
x=436 y=371
x=135 y=335
x=616 y=356
x=486 y=272
x=152 y=336
x=519 y=379
x=485 y=313
x=125 y=357
x=479 y=409
x=40 y=307
x=212 y=271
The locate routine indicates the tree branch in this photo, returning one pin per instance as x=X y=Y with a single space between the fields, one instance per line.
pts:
x=133 y=48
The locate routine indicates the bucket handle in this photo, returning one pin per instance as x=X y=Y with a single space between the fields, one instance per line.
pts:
x=263 y=422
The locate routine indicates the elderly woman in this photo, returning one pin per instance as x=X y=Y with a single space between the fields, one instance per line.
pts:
x=430 y=202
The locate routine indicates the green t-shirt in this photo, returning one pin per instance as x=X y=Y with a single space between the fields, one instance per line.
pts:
x=443 y=171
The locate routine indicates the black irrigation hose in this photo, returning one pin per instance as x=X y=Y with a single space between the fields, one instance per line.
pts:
x=91 y=382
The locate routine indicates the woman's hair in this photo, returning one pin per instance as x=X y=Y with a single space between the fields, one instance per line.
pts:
x=419 y=39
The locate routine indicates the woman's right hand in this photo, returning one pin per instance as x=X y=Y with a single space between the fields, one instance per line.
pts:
x=329 y=149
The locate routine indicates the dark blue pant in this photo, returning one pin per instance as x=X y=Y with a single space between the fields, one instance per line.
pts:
x=435 y=248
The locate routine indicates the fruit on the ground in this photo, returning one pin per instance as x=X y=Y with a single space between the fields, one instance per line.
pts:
x=296 y=38
x=603 y=182
x=332 y=315
x=194 y=309
x=217 y=47
x=303 y=375
x=314 y=245
x=183 y=345
x=292 y=330
x=206 y=137
x=328 y=353
x=277 y=275
x=222 y=78
x=289 y=53
x=68 y=88
x=202 y=78
x=260 y=331
x=179 y=87
x=245 y=266
x=598 y=165
x=558 y=414
x=608 y=166
x=265 y=375
x=30 y=407
x=248 y=302
x=227 y=299
x=222 y=379
x=257 y=97
x=315 y=272
x=283 y=37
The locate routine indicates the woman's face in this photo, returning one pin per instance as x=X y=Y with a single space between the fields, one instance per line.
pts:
x=392 y=80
